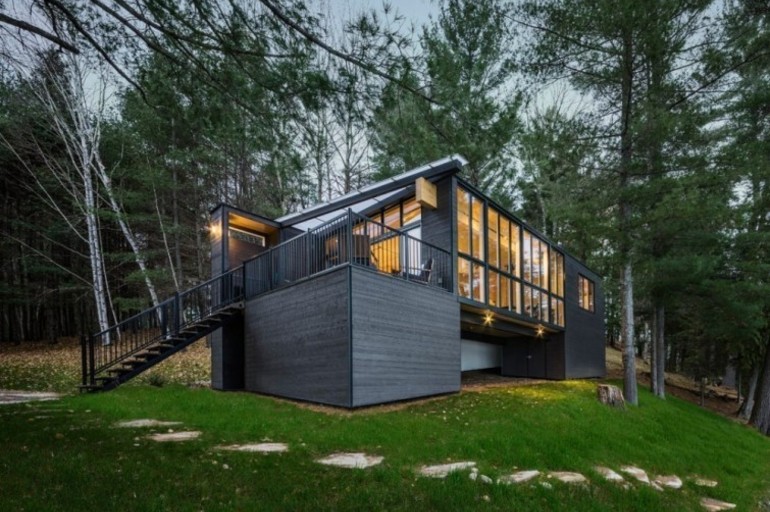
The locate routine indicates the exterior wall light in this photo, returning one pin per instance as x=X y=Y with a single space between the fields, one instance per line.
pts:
x=489 y=317
x=540 y=331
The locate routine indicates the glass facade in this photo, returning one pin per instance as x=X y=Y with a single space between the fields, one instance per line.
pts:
x=586 y=293
x=502 y=264
x=386 y=251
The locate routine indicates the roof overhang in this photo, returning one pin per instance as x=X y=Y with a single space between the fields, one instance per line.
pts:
x=434 y=170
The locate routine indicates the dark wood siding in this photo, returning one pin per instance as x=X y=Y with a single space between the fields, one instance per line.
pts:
x=406 y=339
x=217 y=268
x=437 y=227
x=437 y=224
x=288 y=234
x=217 y=247
x=554 y=356
x=584 y=331
x=297 y=341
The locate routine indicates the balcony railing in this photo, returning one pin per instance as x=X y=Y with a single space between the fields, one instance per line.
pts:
x=349 y=239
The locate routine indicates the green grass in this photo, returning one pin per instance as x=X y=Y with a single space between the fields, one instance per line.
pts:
x=66 y=455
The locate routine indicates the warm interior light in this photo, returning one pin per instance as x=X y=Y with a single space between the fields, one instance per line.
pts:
x=488 y=318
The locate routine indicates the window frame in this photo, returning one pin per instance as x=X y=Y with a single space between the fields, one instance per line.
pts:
x=591 y=294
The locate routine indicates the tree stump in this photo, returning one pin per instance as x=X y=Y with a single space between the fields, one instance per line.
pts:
x=610 y=395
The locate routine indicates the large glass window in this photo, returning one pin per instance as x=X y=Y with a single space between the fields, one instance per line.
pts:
x=586 y=293
x=477 y=228
x=504 y=266
x=557 y=273
x=463 y=221
x=527 y=257
x=493 y=234
x=478 y=282
x=464 y=277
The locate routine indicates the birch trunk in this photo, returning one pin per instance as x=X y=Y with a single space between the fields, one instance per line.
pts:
x=94 y=245
x=106 y=181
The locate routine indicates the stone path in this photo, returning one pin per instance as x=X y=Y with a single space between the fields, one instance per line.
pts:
x=713 y=505
x=257 y=447
x=146 y=423
x=358 y=460
x=351 y=460
x=175 y=436
x=442 y=470
x=17 y=397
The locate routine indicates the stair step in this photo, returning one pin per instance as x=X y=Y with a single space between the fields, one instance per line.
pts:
x=91 y=387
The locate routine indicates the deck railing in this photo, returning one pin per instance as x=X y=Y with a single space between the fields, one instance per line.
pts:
x=348 y=239
x=106 y=348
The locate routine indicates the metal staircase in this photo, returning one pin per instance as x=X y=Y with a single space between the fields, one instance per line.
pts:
x=125 y=350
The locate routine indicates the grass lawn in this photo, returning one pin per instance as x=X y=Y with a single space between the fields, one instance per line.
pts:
x=66 y=455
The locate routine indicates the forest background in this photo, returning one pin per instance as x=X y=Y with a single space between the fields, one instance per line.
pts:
x=635 y=134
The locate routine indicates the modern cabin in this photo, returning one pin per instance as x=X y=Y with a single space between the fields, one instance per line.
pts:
x=391 y=292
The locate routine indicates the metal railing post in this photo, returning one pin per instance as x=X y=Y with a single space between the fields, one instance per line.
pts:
x=177 y=317
x=243 y=278
x=406 y=257
x=350 y=236
x=83 y=360
x=91 y=360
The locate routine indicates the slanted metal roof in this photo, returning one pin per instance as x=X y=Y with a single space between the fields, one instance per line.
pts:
x=365 y=197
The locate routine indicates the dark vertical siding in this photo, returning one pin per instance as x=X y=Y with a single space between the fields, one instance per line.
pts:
x=218 y=217
x=406 y=339
x=584 y=332
x=437 y=224
x=515 y=359
x=288 y=234
x=555 y=356
x=437 y=227
x=216 y=237
x=297 y=341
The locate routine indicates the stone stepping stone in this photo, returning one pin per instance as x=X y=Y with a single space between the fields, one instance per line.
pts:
x=442 y=470
x=638 y=473
x=483 y=478
x=609 y=474
x=568 y=477
x=144 y=423
x=713 y=505
x=351 y=460
x=18 y=397
x=256 y=447
x=669 y=481
x=175 y=436
x=704 y=482
x=519 y=477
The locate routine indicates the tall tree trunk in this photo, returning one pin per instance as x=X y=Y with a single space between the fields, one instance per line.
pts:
x=658 y=352
x=627 y=327
x=627 y=280
x=128 y=234
x=760 y=415
x=94 y=245
x=748 y=404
